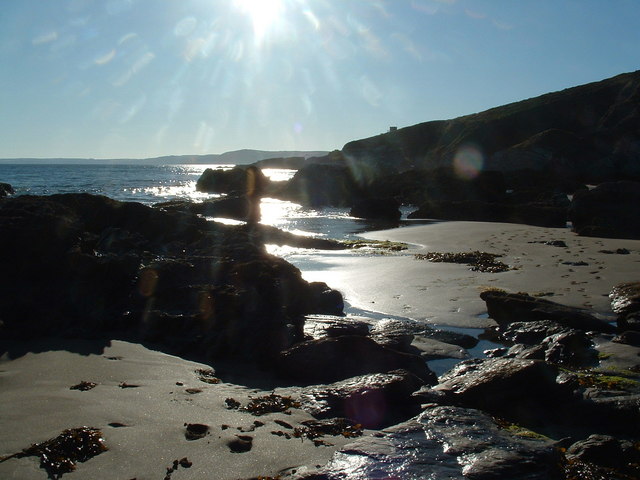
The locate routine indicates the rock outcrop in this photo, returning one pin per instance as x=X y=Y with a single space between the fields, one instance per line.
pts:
x=84 y=265
x=610 y=210
x=6 y=189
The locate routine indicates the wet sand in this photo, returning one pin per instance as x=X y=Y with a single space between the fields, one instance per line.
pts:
x=577 y=275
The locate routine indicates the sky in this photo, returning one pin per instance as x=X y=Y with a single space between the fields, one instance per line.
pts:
x=146 y=78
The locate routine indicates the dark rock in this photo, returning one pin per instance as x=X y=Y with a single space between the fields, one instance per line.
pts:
x=240 y=180
x=332 y=359
x=629 y=322
x=610 y=210
x=320 y=326
x=6 y=189
x=523 y=391
x=570 y=348
x=376 y=209
x=506 y=308
x=420 y=339
x=373 y=401
x=625 y=298
x=318 y=185
x=602 y=450
x=234 y=207
x=630 y=337
x=447 y=443
x=325 y=300
x=471 y=210
x=86 y=265
x=531 y=333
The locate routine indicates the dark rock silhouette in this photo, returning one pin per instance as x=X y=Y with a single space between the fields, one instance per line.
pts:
x=610 y=210
x=82 y=265
x=6 y=189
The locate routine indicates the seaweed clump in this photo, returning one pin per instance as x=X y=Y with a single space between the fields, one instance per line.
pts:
x=59 y=455
x=271 y=403
x=478 y=261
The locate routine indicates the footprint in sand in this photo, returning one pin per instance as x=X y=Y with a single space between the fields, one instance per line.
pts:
x=240 y=444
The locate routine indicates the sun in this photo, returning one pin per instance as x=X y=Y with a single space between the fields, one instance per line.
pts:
x=264 y=14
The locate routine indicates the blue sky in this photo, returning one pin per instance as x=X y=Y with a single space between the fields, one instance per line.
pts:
x=145 y=78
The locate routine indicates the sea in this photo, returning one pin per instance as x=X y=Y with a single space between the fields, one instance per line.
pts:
x=150 y=184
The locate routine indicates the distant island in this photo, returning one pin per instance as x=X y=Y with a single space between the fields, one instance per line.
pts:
x=236 y=157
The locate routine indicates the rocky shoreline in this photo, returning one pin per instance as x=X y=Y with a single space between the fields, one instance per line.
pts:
x=560 y=400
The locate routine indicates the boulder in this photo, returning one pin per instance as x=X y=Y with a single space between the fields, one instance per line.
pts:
x=522 y=391
x=319 y=185
x=625 y=298
x=603 y=450
x=374 y=401
x=321 y=326
x=233 y=207
x=6 y=189
x=446 y=443
x=87 y=265
x=322 y=299
x=610 y=210
x=331 y=359
x=239 y=180
x=376 y=209
x=506 y=308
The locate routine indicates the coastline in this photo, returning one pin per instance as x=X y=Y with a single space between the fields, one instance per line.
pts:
x=144 y=399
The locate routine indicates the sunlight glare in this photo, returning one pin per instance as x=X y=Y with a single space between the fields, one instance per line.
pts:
x=262 y=13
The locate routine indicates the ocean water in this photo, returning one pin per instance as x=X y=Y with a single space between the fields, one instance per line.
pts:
x=149 y=184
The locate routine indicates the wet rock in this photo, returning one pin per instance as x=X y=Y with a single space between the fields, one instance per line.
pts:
x=570 y=348
x=320 y=326
x=628 y=322
x=602 y=450
x=625 y=298
x=630 y=337
x=531 y=333
x=240 y=180
x=325 y=300
x=376 y=209
x=447 y=443
x=505 y=308
x=374 y=401
x=519 y=390
x=610 y=210
x=320 y=185
x=331 y=359
x=6 y=189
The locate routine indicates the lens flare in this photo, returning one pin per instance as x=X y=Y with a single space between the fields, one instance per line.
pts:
x=468 y=162
x=262 y=13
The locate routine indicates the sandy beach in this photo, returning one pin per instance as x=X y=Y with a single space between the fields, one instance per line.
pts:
x=143 y=400
x=578 y=275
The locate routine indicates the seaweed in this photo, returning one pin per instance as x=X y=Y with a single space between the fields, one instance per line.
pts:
x=313 y=429
x=271 y=403
x=207 y=376
x=377 y=244
x=479 y=261
x=83 y=386
x=59 y=455
x=183 y=462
